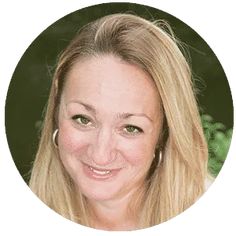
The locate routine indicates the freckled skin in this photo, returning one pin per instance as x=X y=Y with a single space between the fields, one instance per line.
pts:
x=111 y=87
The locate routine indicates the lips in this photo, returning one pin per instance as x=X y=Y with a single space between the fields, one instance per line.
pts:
x=99 y=174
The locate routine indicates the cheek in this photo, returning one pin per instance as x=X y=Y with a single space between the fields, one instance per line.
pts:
x=71 y=141
x=137 y=152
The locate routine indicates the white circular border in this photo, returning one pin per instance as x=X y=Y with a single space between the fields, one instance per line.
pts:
x=21 y=213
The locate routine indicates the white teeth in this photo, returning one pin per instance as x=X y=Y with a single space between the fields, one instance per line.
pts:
x=100 y=172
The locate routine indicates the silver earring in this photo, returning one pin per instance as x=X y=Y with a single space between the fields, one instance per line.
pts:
x=54 y=138
x=160 y=159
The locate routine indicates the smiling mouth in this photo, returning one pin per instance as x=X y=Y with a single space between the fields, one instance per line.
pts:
x=99 y=174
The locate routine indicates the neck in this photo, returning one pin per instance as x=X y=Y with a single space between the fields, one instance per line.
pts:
x=116 y=214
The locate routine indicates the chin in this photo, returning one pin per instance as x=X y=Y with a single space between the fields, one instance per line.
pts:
x=99 y=193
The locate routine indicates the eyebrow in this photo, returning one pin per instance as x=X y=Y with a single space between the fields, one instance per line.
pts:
x=127 y=115
x=124 y=115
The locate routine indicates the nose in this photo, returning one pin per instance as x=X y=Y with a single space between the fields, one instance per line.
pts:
x=102 y=150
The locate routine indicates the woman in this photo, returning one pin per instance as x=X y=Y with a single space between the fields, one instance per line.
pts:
x=122 y=145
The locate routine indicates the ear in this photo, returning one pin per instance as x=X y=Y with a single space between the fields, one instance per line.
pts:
x=163 y=136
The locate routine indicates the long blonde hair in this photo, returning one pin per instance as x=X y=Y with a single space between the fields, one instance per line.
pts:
x=178 y=181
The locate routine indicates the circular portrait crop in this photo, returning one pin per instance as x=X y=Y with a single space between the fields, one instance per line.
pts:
x=119 y=116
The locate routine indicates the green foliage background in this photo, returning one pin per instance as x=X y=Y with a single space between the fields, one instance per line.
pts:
x=30 y=84
x=218 y=139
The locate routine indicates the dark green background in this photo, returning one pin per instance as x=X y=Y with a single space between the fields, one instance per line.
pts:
x=30 y=84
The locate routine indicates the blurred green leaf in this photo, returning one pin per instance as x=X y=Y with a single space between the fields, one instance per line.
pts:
x=218 y=139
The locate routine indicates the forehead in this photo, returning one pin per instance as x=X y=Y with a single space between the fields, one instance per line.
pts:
x=109 y=82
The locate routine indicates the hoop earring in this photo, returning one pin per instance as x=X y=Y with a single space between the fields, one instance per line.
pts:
x=159 y=159
x=54 y=138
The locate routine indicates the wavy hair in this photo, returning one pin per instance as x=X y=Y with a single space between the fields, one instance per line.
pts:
x=178 y=181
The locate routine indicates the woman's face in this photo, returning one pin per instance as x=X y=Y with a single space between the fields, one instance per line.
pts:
x=110 y=118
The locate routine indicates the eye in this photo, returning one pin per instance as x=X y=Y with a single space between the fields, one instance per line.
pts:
x=131 y=129
x=82 y=120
